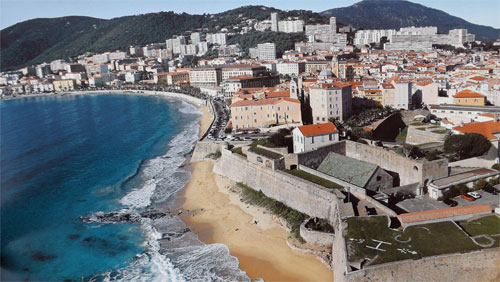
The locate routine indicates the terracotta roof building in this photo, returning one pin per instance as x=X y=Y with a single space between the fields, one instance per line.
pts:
x=431 y=216
x=310 y=137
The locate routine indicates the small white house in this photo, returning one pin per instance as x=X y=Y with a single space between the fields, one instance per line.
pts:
x=309 y=137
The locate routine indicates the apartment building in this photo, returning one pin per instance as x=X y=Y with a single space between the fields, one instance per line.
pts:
x=170 y=78
x=242 y=70
x=290 y=68
x=330 y=100
x=264 y=51
x=205 y=76
x=291 y=26
x=234 y=84
x=64 y=85
x=217 y=38
x=261 y=113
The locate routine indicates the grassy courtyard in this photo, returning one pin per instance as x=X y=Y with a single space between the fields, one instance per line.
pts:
x=414 y=243
x=314 y=179
x=486 y=225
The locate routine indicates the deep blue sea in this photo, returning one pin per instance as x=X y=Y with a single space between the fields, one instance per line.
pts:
x=76 y=155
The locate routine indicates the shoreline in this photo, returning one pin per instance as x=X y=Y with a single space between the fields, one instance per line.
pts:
x=216 y=214
x=190 y=99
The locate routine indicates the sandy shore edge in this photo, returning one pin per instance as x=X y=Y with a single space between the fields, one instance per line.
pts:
x=251 y=233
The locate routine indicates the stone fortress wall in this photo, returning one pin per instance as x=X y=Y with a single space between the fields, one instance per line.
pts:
x=306 y=197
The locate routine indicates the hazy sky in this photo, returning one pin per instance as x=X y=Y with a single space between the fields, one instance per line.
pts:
x=485 y=12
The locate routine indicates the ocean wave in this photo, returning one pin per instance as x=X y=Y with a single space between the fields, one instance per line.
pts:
x=182 y=257
x=161 y=178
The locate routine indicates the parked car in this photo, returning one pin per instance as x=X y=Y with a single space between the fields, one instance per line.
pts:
x=474 y=195
x=468 y=198
x=451 y=202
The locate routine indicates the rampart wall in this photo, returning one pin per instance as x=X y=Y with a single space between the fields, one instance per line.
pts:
x=301 y=195
x=410 y=171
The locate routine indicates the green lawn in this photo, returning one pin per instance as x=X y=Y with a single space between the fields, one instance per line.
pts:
x=416 y=123
x=238 y=150
x=314 y=179
x=440 y=131
x=263 y=152
x=402 y=134
x=421 y=128
x=442 y=238
x=486 y=225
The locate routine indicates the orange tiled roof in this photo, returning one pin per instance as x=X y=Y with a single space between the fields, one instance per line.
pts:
x=259 y=102
x=318 y=129
x=468 y=94
x=486 y=128
x=442 y=213
x=478 y=78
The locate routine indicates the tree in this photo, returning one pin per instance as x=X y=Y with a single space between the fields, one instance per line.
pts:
x=467 y=146
x=278 y=138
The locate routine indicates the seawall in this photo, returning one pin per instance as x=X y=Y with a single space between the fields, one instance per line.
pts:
x=303 y=196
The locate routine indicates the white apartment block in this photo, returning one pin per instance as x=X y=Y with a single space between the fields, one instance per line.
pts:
x=403 y=95
x=330 y=101
x=205 y=77
x=175 y=44
x=242 y=70
x=274 y=21
x=195 y=38
x=365 y=37
x=290 y=68
x=217 y=38
x=291 y=26
x=264 y=51
x=422 y=38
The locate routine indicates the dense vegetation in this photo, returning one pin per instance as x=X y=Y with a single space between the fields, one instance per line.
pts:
x=371 y=14
x=467 y=146
x=42 y=40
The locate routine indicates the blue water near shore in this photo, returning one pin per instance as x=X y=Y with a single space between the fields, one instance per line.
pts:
x=71 y=156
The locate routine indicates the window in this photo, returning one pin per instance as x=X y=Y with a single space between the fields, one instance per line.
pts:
x=475 y=100
x=466 y=100
x=312 y=139
x=330 y=136
x=236 y=117
x=279 y=108
x=254 y=113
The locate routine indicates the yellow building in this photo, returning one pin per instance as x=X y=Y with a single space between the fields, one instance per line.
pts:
x=64 y=85
x=261 y=113
x=469 y=98
x=170 y=78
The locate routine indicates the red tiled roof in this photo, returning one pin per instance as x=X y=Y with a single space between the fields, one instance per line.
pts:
x=468 y=94
x=486 y=128
x=259 y=102
x=442 y=213
x=318 y=129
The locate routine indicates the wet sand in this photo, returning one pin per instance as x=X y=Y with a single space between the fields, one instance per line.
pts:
x=260 y=247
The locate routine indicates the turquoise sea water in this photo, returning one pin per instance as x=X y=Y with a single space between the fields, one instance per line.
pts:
x=71 y=156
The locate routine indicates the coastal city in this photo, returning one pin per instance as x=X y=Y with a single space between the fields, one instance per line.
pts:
x=374 y=151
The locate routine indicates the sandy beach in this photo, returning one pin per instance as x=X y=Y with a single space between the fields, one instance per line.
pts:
x=260 y=247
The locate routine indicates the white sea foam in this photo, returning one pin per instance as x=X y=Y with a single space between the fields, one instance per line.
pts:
x=162 y=178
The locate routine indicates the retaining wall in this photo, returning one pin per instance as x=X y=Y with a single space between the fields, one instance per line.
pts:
x=316 y=237
x=410 y=171
x=204 y=148
x=296 y=193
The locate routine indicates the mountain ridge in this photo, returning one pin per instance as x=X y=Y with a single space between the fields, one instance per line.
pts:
x=45 y=39
x=394 y=14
